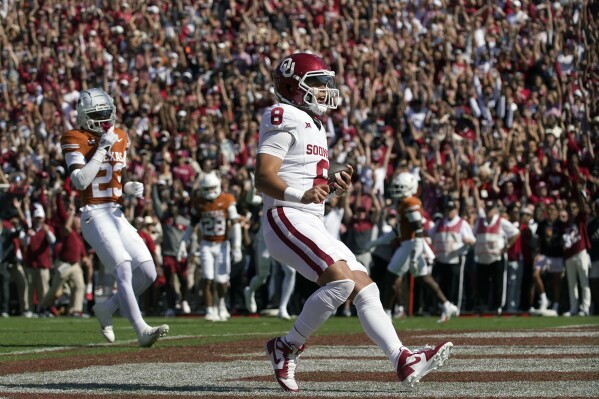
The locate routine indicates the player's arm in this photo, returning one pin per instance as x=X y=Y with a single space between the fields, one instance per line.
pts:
x=134 y=188
x=269 y=182
x=83 y=173
x=415 y=219
x=235 y=233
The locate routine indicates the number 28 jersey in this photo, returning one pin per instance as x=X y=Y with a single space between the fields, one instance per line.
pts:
x=292 y=135
x=213 y=216
x=79 y=146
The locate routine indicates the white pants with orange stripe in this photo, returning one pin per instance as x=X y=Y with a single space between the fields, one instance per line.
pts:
x=300 y=240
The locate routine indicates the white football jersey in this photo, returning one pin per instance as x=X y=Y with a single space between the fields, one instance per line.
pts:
x=291 y=134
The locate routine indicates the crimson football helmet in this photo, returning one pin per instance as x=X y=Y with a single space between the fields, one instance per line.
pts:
x=307 y=82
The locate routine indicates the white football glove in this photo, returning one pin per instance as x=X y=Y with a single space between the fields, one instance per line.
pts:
x=134 y=188
x=108 y=139
x=236 y=255
x=182 y=252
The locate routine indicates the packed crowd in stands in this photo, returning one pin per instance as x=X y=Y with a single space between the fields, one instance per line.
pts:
x=495 y=100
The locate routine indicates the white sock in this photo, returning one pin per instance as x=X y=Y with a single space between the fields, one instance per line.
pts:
x=318 y=308
x=375 y=322
x=89 y=288
x=287 y=287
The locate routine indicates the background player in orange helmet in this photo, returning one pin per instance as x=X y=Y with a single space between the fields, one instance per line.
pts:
x=213 y=211
x=96 y=156
x=414 y=254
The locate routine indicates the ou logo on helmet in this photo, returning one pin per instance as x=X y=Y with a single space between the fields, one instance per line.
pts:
x=287 y=67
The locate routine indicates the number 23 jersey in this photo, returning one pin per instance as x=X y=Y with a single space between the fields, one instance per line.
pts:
x=79 y=146
x=292 y=135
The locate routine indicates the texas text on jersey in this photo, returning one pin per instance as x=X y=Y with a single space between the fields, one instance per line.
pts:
x=78 y=147
x=213 y=216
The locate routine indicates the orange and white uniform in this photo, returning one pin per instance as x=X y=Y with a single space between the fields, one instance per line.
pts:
x=414 y=254
x=103 y=224
x=215 y=248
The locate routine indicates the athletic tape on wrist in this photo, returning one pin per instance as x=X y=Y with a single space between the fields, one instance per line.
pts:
x=293 y=195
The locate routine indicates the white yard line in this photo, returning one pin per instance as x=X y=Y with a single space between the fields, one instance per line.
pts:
x=132 y=341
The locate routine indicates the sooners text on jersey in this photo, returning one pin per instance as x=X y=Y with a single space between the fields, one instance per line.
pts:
x=79 y=146
x=306 y=163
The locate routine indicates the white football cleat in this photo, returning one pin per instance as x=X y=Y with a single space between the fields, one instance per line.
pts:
x=250 y=300
x=104 y=317
x=283 y=314
x=284 y=359
x=223 y=313
x=185 y=308
x=147 y=338
x=448 y=310
x=412 y=366
x=212 y=314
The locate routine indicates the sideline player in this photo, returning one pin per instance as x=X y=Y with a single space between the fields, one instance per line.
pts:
x=213 y=211
x=96 y=157
x=413 y=254
x=291 y=172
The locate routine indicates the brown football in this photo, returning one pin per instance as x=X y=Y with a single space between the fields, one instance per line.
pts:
x=334 y=169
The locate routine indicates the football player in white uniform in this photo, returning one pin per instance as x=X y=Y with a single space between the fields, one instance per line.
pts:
x=292 y=174
x=96 y=156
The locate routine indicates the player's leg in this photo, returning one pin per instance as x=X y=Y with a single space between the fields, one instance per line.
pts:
x=263 y=264
x=300 y=241
x=222 y=277
x=183 y=275
x=287 y=287
x=411 y=366
x=77 y=290
x=169 y=264
x=208 y=263
x=127 y=298
x=398 y=266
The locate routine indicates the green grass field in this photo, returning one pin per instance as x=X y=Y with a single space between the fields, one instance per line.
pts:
x=26 y=339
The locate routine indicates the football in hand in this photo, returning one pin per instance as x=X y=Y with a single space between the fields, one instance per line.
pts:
x=335 y=169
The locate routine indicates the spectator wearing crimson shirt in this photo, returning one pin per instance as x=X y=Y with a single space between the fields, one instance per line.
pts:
x=540 y=195
x=577 y=260
x=71 y=261
x=514 y=262
x=183 y=170
x=38 y=259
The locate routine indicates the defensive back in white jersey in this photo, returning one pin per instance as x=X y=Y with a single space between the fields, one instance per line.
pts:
x=292 y=135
